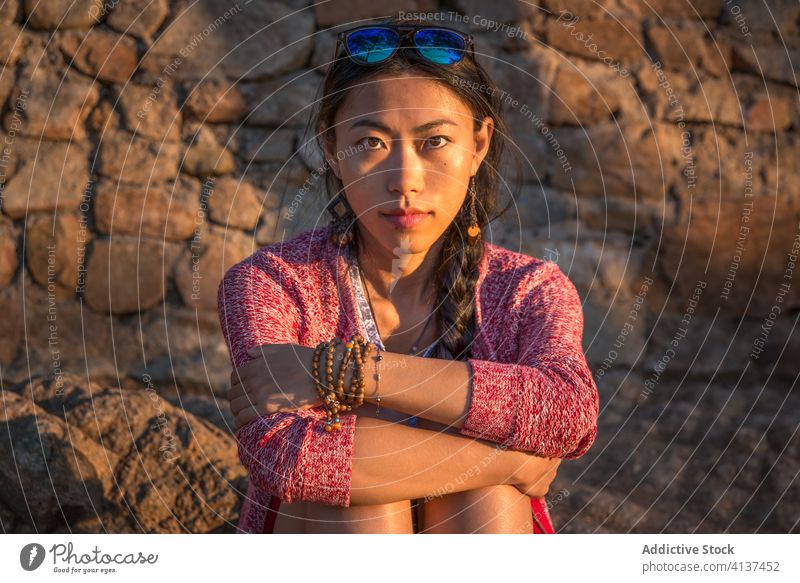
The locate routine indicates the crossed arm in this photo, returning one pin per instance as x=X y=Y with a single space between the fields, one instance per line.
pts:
x=546 y=403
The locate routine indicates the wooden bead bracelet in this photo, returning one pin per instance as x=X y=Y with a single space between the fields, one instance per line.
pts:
x=335 y=397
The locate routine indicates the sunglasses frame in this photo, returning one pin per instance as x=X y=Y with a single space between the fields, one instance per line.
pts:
x=405 y=31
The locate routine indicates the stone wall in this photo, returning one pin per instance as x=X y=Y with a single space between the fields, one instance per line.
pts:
x=148 y=146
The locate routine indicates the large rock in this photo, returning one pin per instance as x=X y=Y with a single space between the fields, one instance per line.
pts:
x=55 y=249
x=242 y=41
x=61 y=14
x=101 y=54
x=234 y=203
x=201 y=267
x=154 y=468
x=129 y=159
x=167 y=211
x=8 y=251
x=616 y=41
x=632 y=160
x=140 y=18
x=215 y=100
x=205 y=155
x=739 y=249
x=329 y=14
x=278 y=101
x=128 y=274
x=150 y=111
x=53 y=177
x=684 y=45
x=10 y=43
x=55 y=107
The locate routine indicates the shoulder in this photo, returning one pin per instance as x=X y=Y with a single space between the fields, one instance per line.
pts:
x=516 y=275
x=291 y=259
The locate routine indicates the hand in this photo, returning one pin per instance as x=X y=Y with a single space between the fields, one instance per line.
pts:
x=532 y=474
x=277 y=379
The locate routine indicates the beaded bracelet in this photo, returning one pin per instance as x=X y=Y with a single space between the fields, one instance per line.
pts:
x=335 y=397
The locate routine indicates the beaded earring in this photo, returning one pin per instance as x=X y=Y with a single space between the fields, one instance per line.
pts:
x=343 y=218
x=474 y=230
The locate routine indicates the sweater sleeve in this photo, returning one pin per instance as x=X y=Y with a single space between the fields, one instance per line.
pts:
x=547 y=402
x=288 y=455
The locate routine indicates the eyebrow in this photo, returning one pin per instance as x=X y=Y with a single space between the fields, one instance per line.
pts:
x=371 y=123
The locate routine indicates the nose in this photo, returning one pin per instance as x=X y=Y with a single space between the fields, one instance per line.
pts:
x=406 y=169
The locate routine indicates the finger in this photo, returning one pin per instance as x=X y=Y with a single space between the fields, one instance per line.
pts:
x=246 y=416
x=236 y=391
x=240 y=403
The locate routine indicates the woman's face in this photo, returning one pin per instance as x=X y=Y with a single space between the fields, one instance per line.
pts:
x=404 y=142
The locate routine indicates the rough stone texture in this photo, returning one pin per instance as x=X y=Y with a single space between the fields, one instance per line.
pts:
x=53 y=176
x=241 y=41
x=127 y=274
x=101 y=54
x=54 y=108
x=55 y=248
x=215 y=101
x=330 y=14
x=621 y=39
x=201 y=267
x=10 y=44
x=205 y=156
x=8 y=251
x=61 y=14
x=156 y=468
x=140 y=18
x=235 y=204
x=150 y=111
x=126 y=158
x=159 y=211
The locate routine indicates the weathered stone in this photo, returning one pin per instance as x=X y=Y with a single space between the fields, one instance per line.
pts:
x=234 y=203
x=55 y=108
x=692 y=9
x=54 y=180
x=10 y=44
x=127 y=274
x=201 y=267
x=101 y=54
x=279 y=101
x=150 y=112
x=687 y=46
x=746 y=264
x=160 y=211
x=40 y=448
x=140 y=18
x=205 y=156
x=539 y=206
x=747 y=17
x=55 y=248
x=634 y=160
x=155 y=469
x=244 y=41
x=329 y=14
x=769 y=113
x=589 y=93
x=62 y=14
x=768 y=61
x=618 y=214
x=215 y=100
x=256 y=145
x=7 y=82
x=9 y=10
x=614 y=41
x=8 y=251
x=128 y=159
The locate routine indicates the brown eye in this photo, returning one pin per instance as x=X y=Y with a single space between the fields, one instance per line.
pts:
x=442 y=144
x=369 y=142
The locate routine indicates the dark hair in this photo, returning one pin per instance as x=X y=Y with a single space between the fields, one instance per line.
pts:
x=457 y=273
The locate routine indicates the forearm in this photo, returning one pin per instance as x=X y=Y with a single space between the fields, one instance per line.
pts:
x=431 y=388
x=394 y=462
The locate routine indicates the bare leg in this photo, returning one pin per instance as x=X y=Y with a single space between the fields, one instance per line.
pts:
x=494 y=509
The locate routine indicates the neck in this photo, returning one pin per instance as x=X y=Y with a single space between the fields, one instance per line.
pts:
x=399 y=276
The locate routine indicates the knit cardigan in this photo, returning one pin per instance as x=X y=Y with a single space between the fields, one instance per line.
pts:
x=531 y=387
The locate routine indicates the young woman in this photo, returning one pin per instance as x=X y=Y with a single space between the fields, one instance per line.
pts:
x=483 y=386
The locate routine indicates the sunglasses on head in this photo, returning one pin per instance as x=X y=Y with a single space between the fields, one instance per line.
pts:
x=373 y=44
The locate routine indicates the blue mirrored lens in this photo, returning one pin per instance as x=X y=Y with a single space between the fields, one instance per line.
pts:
x=372 y=45
x=440 y=46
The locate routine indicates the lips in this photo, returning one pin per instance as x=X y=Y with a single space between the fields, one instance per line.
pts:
x=405 y=218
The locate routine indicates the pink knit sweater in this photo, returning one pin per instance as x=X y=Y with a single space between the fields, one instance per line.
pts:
x=531 y=387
